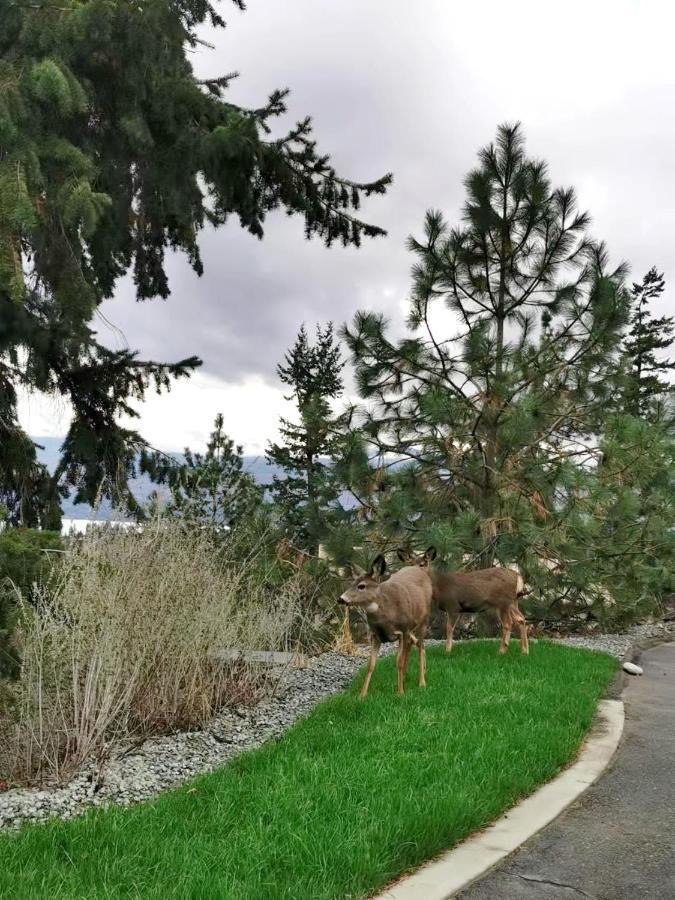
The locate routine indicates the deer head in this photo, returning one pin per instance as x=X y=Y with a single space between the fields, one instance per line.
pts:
x=416 y=559
x=363 y=590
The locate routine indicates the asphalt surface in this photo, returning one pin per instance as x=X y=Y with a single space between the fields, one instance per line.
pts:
x=618 y=841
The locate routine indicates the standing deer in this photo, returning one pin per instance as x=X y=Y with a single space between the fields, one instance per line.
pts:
x=395 y=609
x=470 y=592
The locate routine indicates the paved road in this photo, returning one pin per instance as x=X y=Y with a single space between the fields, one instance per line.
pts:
x=618 y=841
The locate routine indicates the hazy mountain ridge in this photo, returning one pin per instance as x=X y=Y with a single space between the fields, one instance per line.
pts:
x=49 y=453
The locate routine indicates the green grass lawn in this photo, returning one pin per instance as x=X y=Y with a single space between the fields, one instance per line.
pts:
x=351 y=797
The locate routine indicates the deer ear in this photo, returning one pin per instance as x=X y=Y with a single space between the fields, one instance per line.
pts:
x=430 y=554
x=378 y=566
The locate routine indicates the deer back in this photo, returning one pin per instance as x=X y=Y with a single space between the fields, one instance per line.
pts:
x=472 y=591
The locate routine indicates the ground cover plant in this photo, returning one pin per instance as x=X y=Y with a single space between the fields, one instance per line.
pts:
x=351 y=797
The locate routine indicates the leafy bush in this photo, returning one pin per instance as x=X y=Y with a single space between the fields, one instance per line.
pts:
x=23 y=567
x=123 y=642
x=22 y=556
x=9 y=659
x=275 y=561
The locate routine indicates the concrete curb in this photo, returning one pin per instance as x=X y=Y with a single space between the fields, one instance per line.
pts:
x=456 y=869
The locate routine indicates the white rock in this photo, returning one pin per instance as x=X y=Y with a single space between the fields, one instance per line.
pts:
x=632 y=669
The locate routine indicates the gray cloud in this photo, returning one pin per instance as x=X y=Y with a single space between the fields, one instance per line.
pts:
x=416 y=89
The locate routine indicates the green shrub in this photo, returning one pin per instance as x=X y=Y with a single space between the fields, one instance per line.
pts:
x=9 y=657
x=23 y=564
x=22 y=556
x=259 y=543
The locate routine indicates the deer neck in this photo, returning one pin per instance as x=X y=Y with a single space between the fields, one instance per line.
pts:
x=374 y=609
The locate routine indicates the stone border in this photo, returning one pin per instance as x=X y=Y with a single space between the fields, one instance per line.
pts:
x=459 y=867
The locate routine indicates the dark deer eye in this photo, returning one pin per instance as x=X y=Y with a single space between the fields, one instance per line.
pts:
x=362 y=587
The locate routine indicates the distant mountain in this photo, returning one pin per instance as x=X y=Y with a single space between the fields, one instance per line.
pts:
x=49 y=453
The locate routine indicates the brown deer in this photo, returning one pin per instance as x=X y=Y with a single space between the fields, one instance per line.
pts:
x=471 y=592
x=395 y=609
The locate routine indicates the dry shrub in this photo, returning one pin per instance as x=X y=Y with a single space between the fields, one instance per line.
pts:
x=124 y=643
x=344 y=640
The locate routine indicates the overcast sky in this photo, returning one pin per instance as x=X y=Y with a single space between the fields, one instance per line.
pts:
x=416 y=89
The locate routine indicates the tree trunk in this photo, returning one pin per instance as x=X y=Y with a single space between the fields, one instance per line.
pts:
x=491 y=410
x=311 y=505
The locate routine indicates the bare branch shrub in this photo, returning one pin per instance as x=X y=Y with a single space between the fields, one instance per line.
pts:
x=124 y=643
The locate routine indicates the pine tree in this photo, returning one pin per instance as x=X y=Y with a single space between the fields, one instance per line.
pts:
x=646 y=336
x=210 y=488
x=26 y=494
x=482 y=434
x=111 y=153
x=308 y=489
x=619 y=554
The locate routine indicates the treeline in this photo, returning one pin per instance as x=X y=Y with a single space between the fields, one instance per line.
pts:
x=525 y=417
x=533 y=425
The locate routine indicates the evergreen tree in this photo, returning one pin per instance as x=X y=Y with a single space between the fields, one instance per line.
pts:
x=646 y=336
x=26 y=494
x=9 y=658
x=308 y=489
x=112 y=152
x=210 y=488
x=619 y=552
x=482 y=434
x=27 y=556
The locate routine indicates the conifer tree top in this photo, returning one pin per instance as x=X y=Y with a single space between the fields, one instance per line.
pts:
x=493 y=408
x=645 y=346
x=112 y=153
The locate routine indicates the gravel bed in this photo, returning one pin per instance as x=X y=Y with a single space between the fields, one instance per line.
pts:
x=619 y=644
x=138 y=772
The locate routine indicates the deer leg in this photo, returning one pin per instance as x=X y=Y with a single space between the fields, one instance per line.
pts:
x=399 y=665
x=521 y=622
x=505 y=617
x=423 y=656
x=402 y=662
x=406 y=658
x=374 y=651
x=450 y=628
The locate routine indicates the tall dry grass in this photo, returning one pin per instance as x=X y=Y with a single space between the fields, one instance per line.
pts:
x=122 y=644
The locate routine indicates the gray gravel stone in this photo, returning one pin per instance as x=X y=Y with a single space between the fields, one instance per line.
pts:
x=619 y=644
